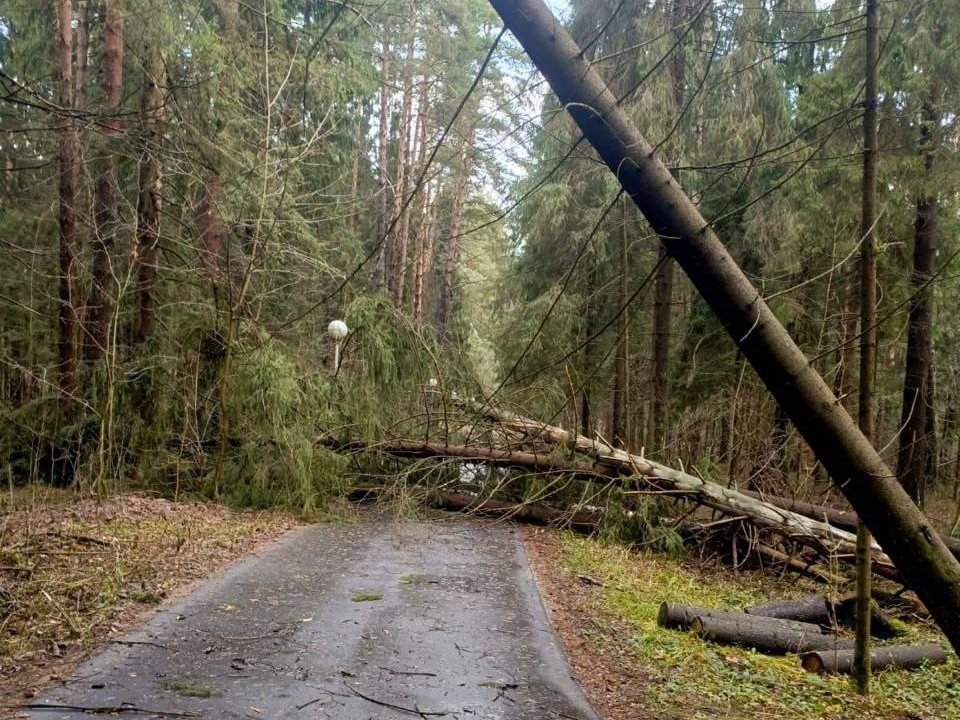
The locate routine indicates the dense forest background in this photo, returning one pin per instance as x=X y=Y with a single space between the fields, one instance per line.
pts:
x=192 y=190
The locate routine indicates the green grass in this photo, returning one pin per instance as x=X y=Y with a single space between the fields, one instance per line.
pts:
x=188 y=688
x=694 y=679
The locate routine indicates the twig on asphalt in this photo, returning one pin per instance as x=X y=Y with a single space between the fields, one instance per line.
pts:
x=401 y=708
x=104 y=710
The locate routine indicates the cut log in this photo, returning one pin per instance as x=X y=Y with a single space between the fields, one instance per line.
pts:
x=881 y=625
x=813 y=608
x=681 y=617
x=894 y=656
x=852 y=462
x=766 y=637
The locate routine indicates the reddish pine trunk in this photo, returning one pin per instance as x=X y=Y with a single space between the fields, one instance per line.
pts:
x=424 y=258
x=83 y=51
x=383 y=157
x=395 y=277
x=69 y=251
x=209 y=226
x=458 y=203
x=105 y=197
x=148 y=204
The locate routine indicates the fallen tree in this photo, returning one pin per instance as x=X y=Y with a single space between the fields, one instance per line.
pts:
x=844 y=519
x=629 y=471
x=853 y=463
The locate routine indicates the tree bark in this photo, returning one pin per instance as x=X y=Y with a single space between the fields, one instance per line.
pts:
x=812 y=609
x=148 y=204
x=209 y=226
x=855 y=466
x=766 y=638
x=383 y=157
x=896 y=656
x=914 y=447
x=395 y=276
x=458 y=204
x=69 y=291
x=868 y=342
x=681 y=617
x=620 y=425
x=105 y=195
x=663 y=281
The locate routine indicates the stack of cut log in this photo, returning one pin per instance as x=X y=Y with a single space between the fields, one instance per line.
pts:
x=807 y=626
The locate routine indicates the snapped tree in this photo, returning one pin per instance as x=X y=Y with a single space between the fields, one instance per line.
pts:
x=855 y=466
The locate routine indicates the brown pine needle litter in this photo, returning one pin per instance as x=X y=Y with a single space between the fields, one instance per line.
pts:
x=75 y=573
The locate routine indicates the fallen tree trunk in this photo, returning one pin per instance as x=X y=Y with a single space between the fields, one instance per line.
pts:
x=894 y=656
x=681 y=617
x=767 y=638
x=853 y=463
x=631 y=471
x=814 y=533
x=844 y=519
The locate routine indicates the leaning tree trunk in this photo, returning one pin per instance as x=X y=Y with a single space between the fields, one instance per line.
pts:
x=69 y=290
x=148 y=204
x=914 y=442
x=105 y=195
x=905 y=533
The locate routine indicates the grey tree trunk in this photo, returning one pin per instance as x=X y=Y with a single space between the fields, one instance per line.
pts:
x=855 y=466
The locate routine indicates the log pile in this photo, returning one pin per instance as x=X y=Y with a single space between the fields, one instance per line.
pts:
x=807 y=626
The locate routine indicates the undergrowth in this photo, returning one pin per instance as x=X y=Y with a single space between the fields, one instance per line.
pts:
x=710 y=681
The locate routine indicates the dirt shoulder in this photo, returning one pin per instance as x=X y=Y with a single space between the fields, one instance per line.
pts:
x=603 y=599
x=73 y=575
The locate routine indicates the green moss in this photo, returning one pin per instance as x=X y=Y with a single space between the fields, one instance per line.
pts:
x=367 y=597
x=188 y=688
x=711 y=681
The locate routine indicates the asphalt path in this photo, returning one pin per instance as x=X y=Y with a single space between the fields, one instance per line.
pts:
x=379 y=619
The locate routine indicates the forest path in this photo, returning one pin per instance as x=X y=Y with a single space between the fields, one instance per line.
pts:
x=438 y=619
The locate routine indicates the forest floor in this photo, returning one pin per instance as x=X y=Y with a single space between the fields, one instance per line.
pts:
x=603 y=601
x=76 y=574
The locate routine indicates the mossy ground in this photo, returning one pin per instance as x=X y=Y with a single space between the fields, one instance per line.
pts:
x=695 y=679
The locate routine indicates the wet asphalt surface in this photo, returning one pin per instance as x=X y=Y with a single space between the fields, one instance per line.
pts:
x=375 y=620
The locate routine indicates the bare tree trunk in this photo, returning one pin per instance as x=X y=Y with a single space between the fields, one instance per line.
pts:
x=83 y=51
x=458 y=204
x=105 y=196
x=914 y=447
x=868 y=339
x=209 y=226
x=148 y=204
x=395 y=275
x=418 y=142
x=621 y=386
x=663 y=282
x=904 y=532
x=69 y=291
x=427 y=235
x=383 y=157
